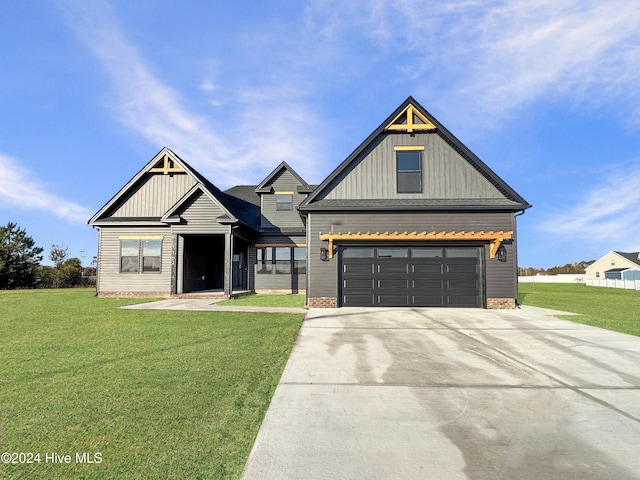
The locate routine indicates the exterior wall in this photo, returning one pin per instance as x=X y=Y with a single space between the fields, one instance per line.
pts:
x=109 y=277
x=445 y=175
x=604 y=264
x=631 y=275
x=270 y=218
x=155 y=195
x=500 y=277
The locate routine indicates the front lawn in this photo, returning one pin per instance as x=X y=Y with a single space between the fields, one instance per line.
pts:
x=145 y=394
x=610 y=308
x=268 y=300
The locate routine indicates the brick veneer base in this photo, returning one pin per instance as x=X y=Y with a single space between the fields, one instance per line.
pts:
x=501 y=303
x=213 y=296
x=322 y=302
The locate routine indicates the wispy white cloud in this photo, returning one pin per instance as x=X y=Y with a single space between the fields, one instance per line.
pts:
x=607 y=215
x=157 y=112
x=496 y=56
x=20 y=189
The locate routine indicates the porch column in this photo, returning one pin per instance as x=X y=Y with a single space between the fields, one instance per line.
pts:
x=228 y=262
x=174 y=264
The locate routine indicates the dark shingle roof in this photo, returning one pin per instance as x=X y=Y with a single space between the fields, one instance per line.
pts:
x=631 y=256
x=519 y=203
x=414 y=204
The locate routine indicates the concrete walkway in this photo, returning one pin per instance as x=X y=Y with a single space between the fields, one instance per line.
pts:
x=452 y=394
x=203 y=304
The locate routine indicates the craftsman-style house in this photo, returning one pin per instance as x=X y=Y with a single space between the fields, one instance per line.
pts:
x=411 y=218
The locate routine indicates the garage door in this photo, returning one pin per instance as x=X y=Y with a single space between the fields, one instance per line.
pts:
x=410 y=276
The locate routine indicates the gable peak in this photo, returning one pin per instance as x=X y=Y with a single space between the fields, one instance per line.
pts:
x=409 y=120
x=166 y=163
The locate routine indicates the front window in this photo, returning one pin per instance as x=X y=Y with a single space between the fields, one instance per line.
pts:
x=140 y=255
x=283 y=260
x=265 y=259
x=300 y=260
x=129 y=256
x=409 y=171
x=284 y=202
x=151 y=257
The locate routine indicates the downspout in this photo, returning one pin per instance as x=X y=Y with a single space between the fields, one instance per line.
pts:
x=515 y=253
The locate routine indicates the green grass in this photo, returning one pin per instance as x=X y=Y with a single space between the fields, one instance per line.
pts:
x=159 y=394
x=268 y=300
x=610 y=308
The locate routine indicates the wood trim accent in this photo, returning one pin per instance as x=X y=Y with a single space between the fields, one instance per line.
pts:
x=494 y=238
x=165 y=168
x=141 y=237
x=410 y=126
x=283 y=193
x=408 y=148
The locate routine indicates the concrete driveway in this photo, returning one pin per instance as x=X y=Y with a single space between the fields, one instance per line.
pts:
x=452 y=394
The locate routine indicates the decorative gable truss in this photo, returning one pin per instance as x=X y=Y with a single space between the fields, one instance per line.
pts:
x=409 y=120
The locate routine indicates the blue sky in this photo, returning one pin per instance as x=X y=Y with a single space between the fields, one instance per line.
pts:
x=546 y=92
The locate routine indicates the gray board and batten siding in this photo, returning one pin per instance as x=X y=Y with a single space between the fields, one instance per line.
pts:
x=498 y=276
x=154 y=195
x=445 y=173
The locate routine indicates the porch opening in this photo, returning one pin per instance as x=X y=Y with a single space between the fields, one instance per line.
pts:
x=203 y=263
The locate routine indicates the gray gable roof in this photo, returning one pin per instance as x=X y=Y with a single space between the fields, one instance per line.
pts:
x=264 y=185
x=234 y=211
x=512 y=200
x=631 y=256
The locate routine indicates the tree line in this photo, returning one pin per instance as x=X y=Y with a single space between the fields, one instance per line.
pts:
x=20 y=263
x=574 y=268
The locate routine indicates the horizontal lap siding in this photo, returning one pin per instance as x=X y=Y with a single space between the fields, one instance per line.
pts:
x=110 y=278
x=500 y=277
x=200 y=217
x=271 y=217
x=273 y=281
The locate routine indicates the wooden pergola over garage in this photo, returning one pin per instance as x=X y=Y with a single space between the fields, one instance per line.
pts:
x=494 y=238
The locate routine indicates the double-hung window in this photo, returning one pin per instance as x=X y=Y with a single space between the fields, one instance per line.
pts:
x=284 y=201
x=409 y=169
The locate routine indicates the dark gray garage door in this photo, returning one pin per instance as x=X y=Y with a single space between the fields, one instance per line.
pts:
x=410 y=276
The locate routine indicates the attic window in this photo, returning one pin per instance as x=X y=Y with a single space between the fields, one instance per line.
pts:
x=409 y=171
x=284 y=201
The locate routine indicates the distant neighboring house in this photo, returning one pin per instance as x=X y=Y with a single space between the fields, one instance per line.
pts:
x=411 y=218
x=622 y=274
x=614 y=263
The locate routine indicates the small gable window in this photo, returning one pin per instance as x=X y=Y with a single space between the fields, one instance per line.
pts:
x=409 y=171
x=284 y=201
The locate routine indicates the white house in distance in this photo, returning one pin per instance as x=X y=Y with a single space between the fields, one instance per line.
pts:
x=613 y=261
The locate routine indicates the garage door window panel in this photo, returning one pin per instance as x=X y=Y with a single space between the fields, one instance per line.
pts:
x=356 y=252
x=427 y=253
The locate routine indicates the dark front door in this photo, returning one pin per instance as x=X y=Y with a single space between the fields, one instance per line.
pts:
x=417 y=276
